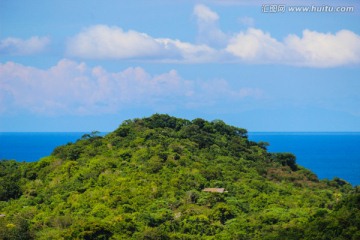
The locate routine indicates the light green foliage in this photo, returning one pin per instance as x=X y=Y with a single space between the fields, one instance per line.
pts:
x=145 y=181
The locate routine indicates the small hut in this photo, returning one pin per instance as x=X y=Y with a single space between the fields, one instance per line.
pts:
x=215 y=190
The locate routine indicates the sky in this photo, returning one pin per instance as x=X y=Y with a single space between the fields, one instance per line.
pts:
x=264 y=65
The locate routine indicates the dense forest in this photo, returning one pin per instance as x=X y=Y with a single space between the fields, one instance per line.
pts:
x=163 y=177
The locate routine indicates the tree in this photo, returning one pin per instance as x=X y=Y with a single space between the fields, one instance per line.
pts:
x=285 y=159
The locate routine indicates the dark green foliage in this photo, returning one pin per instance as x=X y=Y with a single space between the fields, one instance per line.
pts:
x=9 y=180
x=145 y=181
x=342 y=223
x=164 y=121
x=9 y=189
x=90 y=231
x=285 y=159
x=15 y=229
x=263 y=145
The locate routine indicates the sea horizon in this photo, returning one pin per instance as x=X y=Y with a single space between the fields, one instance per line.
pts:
x=327 y=154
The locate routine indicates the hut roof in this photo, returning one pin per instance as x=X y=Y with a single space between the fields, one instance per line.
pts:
x=218 y=190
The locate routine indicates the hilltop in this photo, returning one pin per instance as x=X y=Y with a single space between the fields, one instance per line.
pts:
x=163 y=177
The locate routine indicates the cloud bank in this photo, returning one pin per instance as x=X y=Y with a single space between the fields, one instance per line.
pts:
x=17 y=46
x=71 y=87
x=311 y=49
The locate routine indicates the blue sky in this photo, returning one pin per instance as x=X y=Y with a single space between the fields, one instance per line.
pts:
x=88 y=65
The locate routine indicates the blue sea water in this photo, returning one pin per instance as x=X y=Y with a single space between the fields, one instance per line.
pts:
x=328 y=155
x=31 y=146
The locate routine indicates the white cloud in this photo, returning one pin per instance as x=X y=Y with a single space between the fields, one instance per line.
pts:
x=104 y=42
x=191 y=53
x=17 y=46
x=313 y=49
x=324 y=49
x=73 y=88
x=208 y=29
x=205 y=14
x=255 y=45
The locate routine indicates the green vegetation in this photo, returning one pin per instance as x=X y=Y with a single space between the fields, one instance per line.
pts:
x=145 y=181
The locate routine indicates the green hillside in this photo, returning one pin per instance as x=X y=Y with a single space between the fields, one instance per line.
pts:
x=146 y=179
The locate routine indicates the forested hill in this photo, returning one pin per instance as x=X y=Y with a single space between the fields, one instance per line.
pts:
x=168 y=178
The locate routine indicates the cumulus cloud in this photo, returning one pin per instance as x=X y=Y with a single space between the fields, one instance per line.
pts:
x=190 y=53
x=208 y=29
x=255 y=46
x=17 y=46
x=70 y=87
x=104 y=42
x=205 y=14
x=324 y=49
x=313 y=49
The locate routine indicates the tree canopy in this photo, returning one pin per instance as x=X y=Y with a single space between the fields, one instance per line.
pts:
x=145 y=180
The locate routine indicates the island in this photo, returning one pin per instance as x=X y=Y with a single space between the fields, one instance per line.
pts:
x=163 y=177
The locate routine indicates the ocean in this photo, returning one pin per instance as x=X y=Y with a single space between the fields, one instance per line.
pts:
x=31 y=146
x=328 y=155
